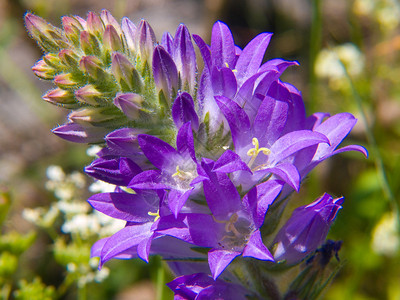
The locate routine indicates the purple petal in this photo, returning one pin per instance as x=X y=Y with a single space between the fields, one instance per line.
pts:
x=129 y=30
x=164 y=71
x=237 y=119
x=258 y=199
x=176 y=200
x=129 y=104
x=229 y=162
x=219 y=260
x=184 y=142
x=255 y=248
x=251 y=57
x=222 y=46
x=221 y=195
x=161 y=154
x=270 y=120
x=185 y=57
x=205 y=52
x=293 y=142
x=151 y=179
x=223 y=82
x=143 y=248
x=123 y=140
x=277 y=64
x=167 y=42
x=77 y=133
x=335 y=128
x=128 y=207
x=124 y=239
x=118 y=171
x=288 y=173
x=183 y=111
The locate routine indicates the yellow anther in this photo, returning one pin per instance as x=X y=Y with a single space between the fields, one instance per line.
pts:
x=156 y=214
x=253 y=152
x=178 y=172
x=226 y=65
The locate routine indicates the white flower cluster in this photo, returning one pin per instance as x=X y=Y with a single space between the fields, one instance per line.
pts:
x=385 y=12
x=385 y=236
x=79 y=219
x=335 y=62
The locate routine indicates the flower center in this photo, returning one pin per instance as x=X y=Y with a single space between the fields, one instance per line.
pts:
x=184 y=178
x=156 y=214
x=237 y=233
x=253 y=152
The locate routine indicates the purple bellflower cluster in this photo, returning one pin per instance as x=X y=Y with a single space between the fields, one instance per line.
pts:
x=203 y=160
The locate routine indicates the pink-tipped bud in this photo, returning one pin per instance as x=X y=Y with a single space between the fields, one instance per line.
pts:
x=92 y=115
x=68 y=58
x=129 y=103
x=92 y=66
x=65 y=80
x=72 y=28
x=108 y=19
x=125 y=73
x=61 y=97
x=43 y=70
x=89 y=43
x=88 y=94
x=111 y=39
x=52 y=60
x=145 y=41
x=94 y=24
x=49 y=37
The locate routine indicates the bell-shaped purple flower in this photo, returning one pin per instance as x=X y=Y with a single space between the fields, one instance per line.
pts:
x=177 y=168
x=306 y=229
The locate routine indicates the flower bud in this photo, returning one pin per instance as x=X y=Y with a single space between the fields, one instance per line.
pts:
x=94 y=24
x=108 y=19
x=89 y=43
x=92 y=66
x=78 y=133
x=306 y=229
x=111 y=39
x=49 y=37
x=61 y=97
x=129 y=103
x=88 y=94
x=129 y=30
x=165 y=73
x=68 y=58
x=65 y=80
x=43 y=70
x=72 y=28
x=145 y=39
x=126 y=74
x=52 y=60
x=185 y=58
x=183 y=111
x=93 y=115
x=118 y=171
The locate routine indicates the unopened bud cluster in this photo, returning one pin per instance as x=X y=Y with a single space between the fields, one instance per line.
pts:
x=103 y=72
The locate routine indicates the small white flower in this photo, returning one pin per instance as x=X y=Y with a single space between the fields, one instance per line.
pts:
x=55 y=173
x=385 y=236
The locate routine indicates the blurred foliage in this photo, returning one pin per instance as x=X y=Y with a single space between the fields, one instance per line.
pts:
x=350 y=61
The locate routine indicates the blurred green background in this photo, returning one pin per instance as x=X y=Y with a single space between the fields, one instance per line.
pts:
x=349 y=54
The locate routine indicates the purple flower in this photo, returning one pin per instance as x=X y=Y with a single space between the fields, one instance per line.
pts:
x=306 y=229
x=201 y=286
x=233 y=228
x=177 y=168
x=147 y=219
